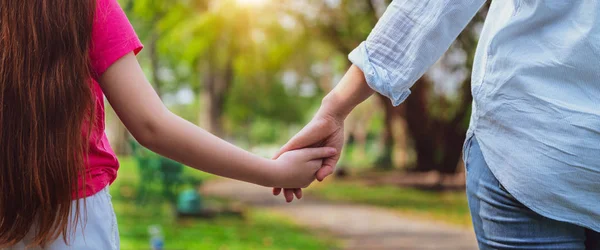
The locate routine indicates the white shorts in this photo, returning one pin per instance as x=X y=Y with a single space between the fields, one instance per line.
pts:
x=99 y=233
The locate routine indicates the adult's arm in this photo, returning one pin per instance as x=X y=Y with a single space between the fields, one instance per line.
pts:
x=408 y=39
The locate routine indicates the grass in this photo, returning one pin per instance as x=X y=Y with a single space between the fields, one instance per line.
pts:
x=450 y=207
x=258 y=230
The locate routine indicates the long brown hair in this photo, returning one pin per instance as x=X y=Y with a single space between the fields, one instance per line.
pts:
x=46 y=107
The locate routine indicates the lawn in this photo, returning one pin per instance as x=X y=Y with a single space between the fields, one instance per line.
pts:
x=258 y=230
x=450 y=206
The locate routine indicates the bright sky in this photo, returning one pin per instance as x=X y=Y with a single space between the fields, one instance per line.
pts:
x=251 y=2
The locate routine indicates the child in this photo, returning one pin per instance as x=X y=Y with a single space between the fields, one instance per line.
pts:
x=57 y=61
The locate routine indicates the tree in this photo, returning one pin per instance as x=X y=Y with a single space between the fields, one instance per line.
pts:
x=436 y=123
x=228 y=44
x=343 y=26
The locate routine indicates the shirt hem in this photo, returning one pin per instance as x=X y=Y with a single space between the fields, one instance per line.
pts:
x=518 y=196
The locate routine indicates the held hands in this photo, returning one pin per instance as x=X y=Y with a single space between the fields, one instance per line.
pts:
x=325 y=130
x=297 y=168
x=327 y=127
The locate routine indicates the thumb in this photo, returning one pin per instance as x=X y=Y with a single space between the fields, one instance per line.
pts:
x=319 y=153
x=307 y=137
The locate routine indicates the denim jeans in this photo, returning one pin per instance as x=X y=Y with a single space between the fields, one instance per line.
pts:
x=502 y=222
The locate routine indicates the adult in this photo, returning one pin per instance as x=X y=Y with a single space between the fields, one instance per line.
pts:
x=533 y=172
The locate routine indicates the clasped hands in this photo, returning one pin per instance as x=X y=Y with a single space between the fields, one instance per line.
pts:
x=324 y=132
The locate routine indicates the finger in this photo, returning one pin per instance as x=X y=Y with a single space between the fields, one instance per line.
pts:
x=298 y=193
x=295 y=142
x=289 y=194
x=276 y=191
x=331 y=161
x=319 y=153
x=324 y=172
x=328 y=168
x=308 y=136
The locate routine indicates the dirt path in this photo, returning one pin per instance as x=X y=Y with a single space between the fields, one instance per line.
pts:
x=358 y=227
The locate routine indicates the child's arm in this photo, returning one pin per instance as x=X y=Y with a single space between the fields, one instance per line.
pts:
x=156 y=128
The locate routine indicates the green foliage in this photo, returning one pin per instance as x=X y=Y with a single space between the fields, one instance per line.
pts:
x=259 y=110
x=360 y=156
x=259 y=230
x=194 y=36
x=376 y=125
x=241 y=53
x=248 y=101
x=187 y=111
x=264 y=131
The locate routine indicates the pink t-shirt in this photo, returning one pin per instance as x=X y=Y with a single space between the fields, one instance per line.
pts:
x=112 y=38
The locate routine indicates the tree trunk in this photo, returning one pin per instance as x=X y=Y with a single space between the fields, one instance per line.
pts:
x=118 y=135
x=120 y=138
x=419 y=126
x=214 y=111
x=216 y=85
x=400 y=141
x=437 y=141
x=455 y=132
x=385 y=159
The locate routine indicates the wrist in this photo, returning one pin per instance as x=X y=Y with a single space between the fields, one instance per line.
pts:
x=270 y=175
x=350 y=91
x=333 y=105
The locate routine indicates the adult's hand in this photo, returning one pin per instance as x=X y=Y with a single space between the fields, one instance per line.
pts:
x=326 y=129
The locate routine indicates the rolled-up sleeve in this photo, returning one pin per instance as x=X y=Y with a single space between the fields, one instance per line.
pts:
x=408 y=39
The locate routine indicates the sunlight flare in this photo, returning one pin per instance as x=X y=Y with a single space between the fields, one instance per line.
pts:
x=251 y=2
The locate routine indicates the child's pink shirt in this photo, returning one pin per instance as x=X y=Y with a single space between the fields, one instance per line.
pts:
x=112 y=38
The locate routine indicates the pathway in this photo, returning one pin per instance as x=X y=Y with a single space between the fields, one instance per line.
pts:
x=359 y=227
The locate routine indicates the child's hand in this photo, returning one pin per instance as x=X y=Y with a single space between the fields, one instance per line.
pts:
x=297 y=168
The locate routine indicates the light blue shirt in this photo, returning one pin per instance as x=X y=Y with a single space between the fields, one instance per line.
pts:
x=535 y=84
